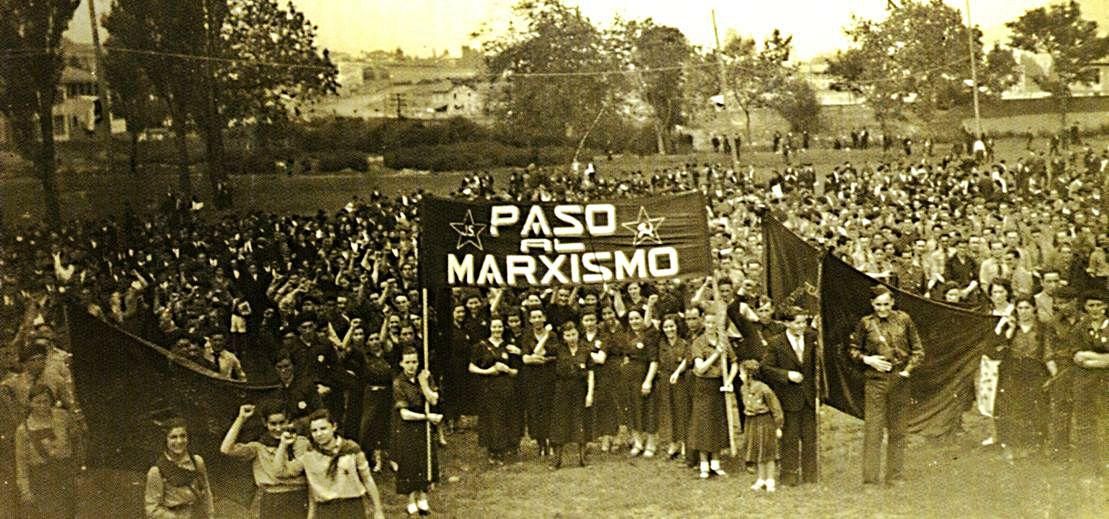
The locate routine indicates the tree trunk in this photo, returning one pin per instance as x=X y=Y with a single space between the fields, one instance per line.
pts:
x=213 y=149
x=747 y=125
x=46 y=165
x=133 y=157
x=1064 y=134
x=181 y=136
x=659 y=140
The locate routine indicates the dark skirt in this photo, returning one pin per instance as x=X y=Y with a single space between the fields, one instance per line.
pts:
x=495 y=430
x=568 y=411
x=283 y=505
x=538 y=386
x=761 y=438
x=54 y=489
x=460 y=391
x=674 y=407
x=609 y=409
x=708 y=421
x=378 y=405
x=642 y=409
x=410 y=452
x=341 y=509
x=1021 y=405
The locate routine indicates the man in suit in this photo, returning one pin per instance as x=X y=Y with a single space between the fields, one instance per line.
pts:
x=790 y=367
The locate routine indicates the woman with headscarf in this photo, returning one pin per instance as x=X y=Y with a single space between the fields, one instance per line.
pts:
x=177 y=485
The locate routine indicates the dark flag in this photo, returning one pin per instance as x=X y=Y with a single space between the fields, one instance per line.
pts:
x=125 y=384
x=791 y=266
x=953 y=338
x=494 y=243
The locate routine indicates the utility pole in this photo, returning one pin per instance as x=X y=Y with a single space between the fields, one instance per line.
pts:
x=974 y=75
x=399 y=98
x=724 y=94
x=104 y=131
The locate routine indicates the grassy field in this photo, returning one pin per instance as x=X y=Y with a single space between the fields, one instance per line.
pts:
x=96 y=196
x=953 y=478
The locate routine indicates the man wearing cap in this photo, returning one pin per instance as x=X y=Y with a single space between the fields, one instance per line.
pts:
x=887 y=343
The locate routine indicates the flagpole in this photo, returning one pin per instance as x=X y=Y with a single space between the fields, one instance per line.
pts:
x=427 y=366
x=730 y=403
x=821 y=380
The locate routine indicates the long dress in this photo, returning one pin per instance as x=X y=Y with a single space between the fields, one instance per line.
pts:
x=1020 y=407
x=643 y=409
x=495 y=428
x=410 y=439
x=708 y=421
x=608 y=409
x=378 y=402
x=568 y=410
x=675 y=400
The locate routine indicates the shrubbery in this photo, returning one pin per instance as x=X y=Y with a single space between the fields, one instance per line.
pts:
x=475 y=155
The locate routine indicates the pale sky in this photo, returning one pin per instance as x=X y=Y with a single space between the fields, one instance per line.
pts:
x=421 y=27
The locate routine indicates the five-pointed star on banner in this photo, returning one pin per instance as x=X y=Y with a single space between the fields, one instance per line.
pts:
x=468 y=231
x=644 y=228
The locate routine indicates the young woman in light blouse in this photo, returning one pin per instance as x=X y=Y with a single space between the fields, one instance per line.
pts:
x=177 y=485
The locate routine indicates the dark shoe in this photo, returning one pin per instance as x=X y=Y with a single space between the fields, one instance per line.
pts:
x=749 y=467
x=581 y=457
x=556 y=464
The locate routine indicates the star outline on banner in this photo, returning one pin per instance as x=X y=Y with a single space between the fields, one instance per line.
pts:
x=644 y=228
x=469 y=231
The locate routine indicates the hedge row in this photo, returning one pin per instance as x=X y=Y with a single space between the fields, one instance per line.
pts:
x=475 y=155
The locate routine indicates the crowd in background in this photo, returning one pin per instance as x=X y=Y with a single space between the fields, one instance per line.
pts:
x=325 y=305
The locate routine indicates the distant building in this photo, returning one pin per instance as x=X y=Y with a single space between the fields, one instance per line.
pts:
x=816 y=72
x=351 y=74
x=1031 y=65
x=440 y=99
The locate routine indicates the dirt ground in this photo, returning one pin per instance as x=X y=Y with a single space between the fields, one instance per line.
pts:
x=955 y=477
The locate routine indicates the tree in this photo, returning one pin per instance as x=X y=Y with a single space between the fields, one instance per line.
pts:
x=32 y=32
x=555 y=71
x=1072 y=42
x=155 y=38
x=917 y=58
x=797 y=104
x=657 y=54
x=134 y=99
x=753 y=74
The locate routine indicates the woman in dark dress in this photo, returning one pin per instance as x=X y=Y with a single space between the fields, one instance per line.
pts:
x=378 y=402
x=1020 y=406
x=514 y=330
x=573 y=394
x=611 y=406
x=45 y=472
x=410 y=450
x=674 y=397
x=708 y=424
x=458 y=379
x=496 y=378
x=639 y=375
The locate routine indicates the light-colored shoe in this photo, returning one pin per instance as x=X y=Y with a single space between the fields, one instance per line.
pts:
x=759 y=485
x=649 y=453
x=704 y=474
x=988 y=441
x=770 y=485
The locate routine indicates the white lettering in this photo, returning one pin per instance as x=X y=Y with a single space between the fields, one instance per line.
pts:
x=460 y=272
x=554 y=269
x=502 y=215
x=565 y=213
x=563 y=247
x=536 y=223
x=608 y=211
x=634 y=267
x=670 y=254
x=520 y=266
x=527 y=244
x=490 y=272
x=597 y=273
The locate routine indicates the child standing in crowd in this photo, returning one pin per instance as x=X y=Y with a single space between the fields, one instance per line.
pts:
x=764 y=424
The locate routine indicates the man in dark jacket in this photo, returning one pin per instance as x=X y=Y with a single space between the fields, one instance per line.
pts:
x=790 y=367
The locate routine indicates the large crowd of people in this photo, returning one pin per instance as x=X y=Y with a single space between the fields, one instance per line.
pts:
x=327 y=307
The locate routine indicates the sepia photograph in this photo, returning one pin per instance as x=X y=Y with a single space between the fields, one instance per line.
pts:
x=354 y=259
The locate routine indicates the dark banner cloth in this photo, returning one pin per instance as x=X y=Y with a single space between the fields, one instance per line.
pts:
x=792 y=265
x=125 y=383
x=493 y=243
x=953 y=338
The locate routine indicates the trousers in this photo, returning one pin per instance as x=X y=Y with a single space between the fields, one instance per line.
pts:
x=886 y=410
